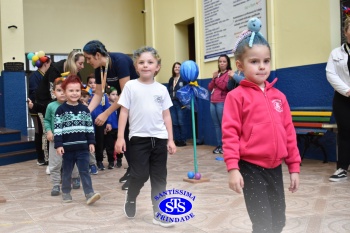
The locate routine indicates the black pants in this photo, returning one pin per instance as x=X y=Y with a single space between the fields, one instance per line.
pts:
x=99 y=138
x=148 y=158
x=110 y=139
x=341 y=111
x=38 y=137
x=264 y=197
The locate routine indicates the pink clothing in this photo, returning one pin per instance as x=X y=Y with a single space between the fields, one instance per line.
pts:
x=257 y=127
x=218 y=88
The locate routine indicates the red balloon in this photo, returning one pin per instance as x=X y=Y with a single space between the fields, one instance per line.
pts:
x=43 y=59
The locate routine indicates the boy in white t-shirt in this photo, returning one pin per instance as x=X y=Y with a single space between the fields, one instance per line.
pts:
x=146 y=104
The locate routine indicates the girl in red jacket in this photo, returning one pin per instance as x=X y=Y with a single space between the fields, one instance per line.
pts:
x=258 y=134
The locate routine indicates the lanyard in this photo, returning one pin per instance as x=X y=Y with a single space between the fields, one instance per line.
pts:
x=104 y=80
x=174 y=84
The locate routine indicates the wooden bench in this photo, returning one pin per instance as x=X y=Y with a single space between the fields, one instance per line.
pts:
x=311 y=123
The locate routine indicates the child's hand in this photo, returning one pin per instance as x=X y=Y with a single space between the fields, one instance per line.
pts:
x=60 y=151
x=49 y=136
x=235 y=180
x=230 y=73
x=120 y=146
x=108 y=128
x=171 y=147
x=294 y=182
x=30 y=103
x=92 y=148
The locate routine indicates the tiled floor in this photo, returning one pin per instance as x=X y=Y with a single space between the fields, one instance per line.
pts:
x=319 y=205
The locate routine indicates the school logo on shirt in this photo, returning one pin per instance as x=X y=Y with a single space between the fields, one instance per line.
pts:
x=158 y=99
x=277 y=104
x=175 y=205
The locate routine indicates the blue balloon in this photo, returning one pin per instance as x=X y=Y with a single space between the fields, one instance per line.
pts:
x=189 y=71
x=190 y=175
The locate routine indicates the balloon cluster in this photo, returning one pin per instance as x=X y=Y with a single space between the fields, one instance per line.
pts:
x=37 y=58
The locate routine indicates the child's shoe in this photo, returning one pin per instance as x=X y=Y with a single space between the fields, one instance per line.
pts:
x=129 y=207
x=55 y=190
x=66 y=197
x=100 y=165
x=110 y=165
x=158 y=220
x=91 y=198
x=47 y=170
x=93 y=169
x=76 y=183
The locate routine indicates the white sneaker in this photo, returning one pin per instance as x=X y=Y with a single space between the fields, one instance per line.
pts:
x=47 y=170
x=339 y=175
x=162 y=223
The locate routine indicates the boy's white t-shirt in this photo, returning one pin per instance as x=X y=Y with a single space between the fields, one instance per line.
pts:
x=146 y=103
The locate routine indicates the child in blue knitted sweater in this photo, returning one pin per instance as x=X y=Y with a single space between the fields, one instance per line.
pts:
x=74 y=138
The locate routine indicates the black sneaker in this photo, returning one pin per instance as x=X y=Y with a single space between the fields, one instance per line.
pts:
x=126 y=185
x=76 y=183
x=100 y=166
x=221 y=151
x=181 y=143
x=124 y=178
x=129 y=207
x=41 y=162
x=110 y=165
x=55 y=190
x=119 y=163
x=339 y=175
x=216 y=150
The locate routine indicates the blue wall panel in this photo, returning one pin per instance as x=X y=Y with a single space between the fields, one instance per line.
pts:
x=13 y=96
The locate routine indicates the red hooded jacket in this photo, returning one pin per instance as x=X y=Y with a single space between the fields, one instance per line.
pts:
x=257 y=127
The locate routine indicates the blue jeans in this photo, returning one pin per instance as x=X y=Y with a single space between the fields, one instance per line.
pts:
x=81 y=158
x=216 y=111
x=177 y=116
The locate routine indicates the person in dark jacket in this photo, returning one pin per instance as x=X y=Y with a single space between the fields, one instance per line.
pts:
x=177 y=110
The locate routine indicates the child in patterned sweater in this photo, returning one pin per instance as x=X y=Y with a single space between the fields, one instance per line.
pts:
x=74 y=138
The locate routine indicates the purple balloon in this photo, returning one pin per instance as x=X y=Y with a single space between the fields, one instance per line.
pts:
x=38 y=63
x=197 y=176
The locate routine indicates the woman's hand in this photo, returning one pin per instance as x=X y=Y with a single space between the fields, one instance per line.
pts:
x=215 y=74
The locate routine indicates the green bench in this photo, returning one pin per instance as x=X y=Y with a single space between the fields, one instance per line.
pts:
x=311 y=123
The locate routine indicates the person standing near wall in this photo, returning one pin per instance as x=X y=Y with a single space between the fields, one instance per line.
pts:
x=34 y=82
x=218 y=89
x=177 y=110
x=337 y=71
x=120 y=69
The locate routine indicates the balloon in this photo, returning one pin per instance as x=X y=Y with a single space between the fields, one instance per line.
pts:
x=35 y=58
x=30 y=55
x=33 y=63
x=38 y=63
x=190 y=174
x=197 y=176
x=189 y=71
x=43 y=59
x=41 y=54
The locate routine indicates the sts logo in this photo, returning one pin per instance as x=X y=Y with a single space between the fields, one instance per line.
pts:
x=175 y=205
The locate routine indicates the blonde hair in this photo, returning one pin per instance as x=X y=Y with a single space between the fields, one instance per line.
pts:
x=73 y=57
x=138 y=52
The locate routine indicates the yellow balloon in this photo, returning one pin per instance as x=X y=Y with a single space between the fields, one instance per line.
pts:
x=35 y=58
x=41 y=54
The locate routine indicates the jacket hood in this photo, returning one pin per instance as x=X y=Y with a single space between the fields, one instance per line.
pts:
x=268 y=85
